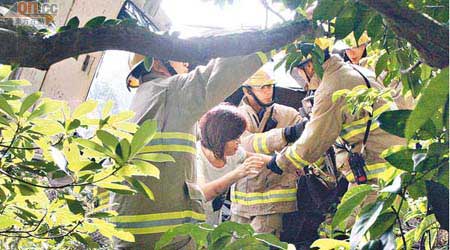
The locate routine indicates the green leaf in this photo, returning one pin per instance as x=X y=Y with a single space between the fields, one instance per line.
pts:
x=146 y=168
x=375 y=28
x=395 y=187
x=143 y=136
x=246 y=243
x=126 y=236
x=14 y=83
x=73 y=23
x=116 y=188
x=384 y=222
x=344 y=25
x=95 y=22
x=381 y=64
x=330 y=244
x=272 y=240
x=148 y=63
x=44 y=108
x=195 y=231
x=229 y=227
x=74 y=124
x=394 y=122
x=352 y=198
x=107 y=108
x=123 y=149
x=108 y=140
x=363 y=224
x=112 y=22
x=433 y=97
x=84 y=108
x=425 y=225
x=5 y=71
x=156 y=157
x=6 y=108
x=402 y=159
x=141 y=187
x=103 y=214
x=75 y=206
x=7 y=222
x=29 y=101
x=48 y=127
x=327 y=9
x=86 y=240
x=94 y=146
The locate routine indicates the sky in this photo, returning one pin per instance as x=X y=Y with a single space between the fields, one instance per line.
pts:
x=190 y=17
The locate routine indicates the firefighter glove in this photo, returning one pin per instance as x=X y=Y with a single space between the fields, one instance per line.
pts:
x=292 y=133
x=272 y=165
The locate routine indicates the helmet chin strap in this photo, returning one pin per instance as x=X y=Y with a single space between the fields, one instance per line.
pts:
x=307 y=76
x=263 y=105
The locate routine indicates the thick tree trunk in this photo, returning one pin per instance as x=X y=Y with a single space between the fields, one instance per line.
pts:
x=429 y=37
x=40 y=52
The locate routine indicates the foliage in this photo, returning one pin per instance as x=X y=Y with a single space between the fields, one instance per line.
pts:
x=228 y=235
x=415 y=186
x=50 y=176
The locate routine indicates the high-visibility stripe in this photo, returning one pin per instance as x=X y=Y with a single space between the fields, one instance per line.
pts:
x=170 y=141
x=295 y=158
x=372 y=171
x=288 y=155
x=364 y=120
x=260 y=144
x=169 y=148
x=356 y=130
x=256 y=145
x=319 y=162
x=264 y=144
x=155 y=223
x=175 y=135
x=259 y=198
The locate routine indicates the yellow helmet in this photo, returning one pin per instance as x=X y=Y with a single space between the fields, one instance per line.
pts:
x=350 y=40
x=259 y=79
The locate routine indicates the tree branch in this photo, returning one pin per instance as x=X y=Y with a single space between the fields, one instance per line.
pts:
x=34 y=50
x=429 y=37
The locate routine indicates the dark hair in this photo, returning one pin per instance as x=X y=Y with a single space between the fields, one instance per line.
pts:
x=220 y=125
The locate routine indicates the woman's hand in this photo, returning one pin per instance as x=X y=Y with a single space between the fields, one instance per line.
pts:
x=251 y=165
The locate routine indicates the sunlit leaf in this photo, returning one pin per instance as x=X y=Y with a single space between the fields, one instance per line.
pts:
x=29 y=101
x=143 y=136
x=433 y=97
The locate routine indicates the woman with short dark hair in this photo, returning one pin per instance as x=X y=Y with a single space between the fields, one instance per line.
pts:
x=220 y=159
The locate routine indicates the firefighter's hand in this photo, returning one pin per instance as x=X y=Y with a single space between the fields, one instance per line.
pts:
x=272 y=165
x=252 y=165
x=292 y=133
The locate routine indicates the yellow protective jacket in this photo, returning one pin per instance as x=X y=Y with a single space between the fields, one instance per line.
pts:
x=266 y=193
x=176 y=103
x=329 y=121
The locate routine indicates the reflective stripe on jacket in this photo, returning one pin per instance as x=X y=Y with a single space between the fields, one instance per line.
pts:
x=266 y=193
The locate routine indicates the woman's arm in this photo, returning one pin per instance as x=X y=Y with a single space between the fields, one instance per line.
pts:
x=251 y=165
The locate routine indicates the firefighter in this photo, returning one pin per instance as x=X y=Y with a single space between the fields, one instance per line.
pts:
x=355 y=52
x=330 y=123
x=262 y=200
x=176 y=99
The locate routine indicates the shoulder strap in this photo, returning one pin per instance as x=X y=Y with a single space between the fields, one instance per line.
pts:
x=369 y=122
